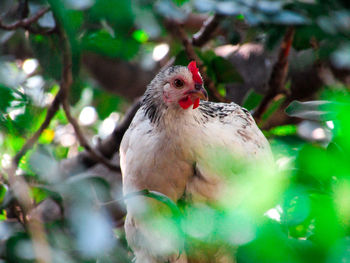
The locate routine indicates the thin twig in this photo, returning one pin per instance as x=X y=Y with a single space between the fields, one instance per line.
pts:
x=31 y=141
x=179 y=31
x=207 y=30
x=42 y=31
x=24 y=23
x=278 y=75
x=107 y=147
x=83 y=141
x=66 y=82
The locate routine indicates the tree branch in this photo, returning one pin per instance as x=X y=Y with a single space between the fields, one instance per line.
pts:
x=31 y=141
x=66 y=82
x=278 y=75
x=179 y=32
x=24 y=23
x=107 y=147
x=83 y=141
x=207 y=30
x=23 y=9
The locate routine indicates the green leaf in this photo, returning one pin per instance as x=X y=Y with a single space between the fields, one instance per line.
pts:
x=29 y=121
x=61 y=152
x=181 y=58
x=270 y=245
x=118 y=13
x=252 y=100
x=13 y=142
x=225 y=72
x=284 y=130
x=314 y=167
x=3 y=215
x=207 y=56
x=159 y=197
x=180 y=2
x=274 y=106
x=304 y=34
x=61 y=117
x=3 y=191
x=76 y=90
x=221 y=89
x=6 y=95
x=274 y=35
x=103 y=43
x=105 y=103
x=47 y=50
x=296 y=207
x=24 y=165
x=38 y=194
x=42 y=192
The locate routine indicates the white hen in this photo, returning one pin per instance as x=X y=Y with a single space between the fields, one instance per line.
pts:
x=176 y=149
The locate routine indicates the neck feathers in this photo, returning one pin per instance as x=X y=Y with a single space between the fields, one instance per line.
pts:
x=153 y=106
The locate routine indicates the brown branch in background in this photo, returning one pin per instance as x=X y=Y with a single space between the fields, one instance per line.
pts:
x=179 y=31
x=278 y=76
x=111 y=144
x=207 y=30
x=23 y=9
x=83 y=141
x=24 y=23
x=32 y=140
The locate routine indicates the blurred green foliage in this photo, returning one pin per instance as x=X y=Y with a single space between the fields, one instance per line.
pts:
x=301 y=213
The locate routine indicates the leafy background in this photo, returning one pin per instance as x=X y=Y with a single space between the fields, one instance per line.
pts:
x=56 y=205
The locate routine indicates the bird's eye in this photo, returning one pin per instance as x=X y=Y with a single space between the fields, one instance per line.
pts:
x=178 y=83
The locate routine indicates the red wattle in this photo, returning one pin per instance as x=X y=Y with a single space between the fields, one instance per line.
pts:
x=185 y=103
x=196 y=103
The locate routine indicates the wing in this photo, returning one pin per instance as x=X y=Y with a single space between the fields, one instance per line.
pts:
x=133 y=158
x=233 y=128
x=230 y=145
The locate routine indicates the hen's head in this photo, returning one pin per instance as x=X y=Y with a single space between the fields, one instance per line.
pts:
x=176 y=86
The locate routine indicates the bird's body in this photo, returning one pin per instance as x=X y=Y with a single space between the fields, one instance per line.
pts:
x=173 y=149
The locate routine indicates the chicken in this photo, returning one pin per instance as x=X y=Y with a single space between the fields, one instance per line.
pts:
x=172 y=146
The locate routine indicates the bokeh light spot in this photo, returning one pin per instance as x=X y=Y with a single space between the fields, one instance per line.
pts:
x=160 y=51
x=30 y=65
x=87 y=116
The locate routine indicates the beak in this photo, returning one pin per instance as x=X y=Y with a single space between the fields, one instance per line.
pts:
x=198 y=91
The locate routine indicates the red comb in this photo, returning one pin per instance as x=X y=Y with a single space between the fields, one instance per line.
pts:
x=194 y=70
